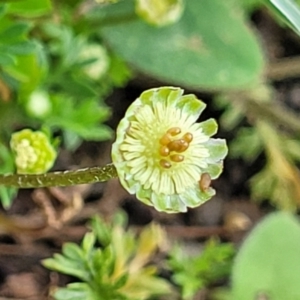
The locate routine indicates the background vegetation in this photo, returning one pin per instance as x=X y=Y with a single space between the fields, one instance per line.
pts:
x=71 y=68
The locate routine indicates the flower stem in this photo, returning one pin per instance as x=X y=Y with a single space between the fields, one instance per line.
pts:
x=61 y=178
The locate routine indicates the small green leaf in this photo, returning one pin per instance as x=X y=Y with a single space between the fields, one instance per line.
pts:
x=100 y=133
x=14 y=32
x=6 y=59
x=232 y=114
x=290 y=12
x=3 y=9
x=101 y=230
x=29 y=69
x=247 y=144
x=192 y=273
x=293 y=148
x=231 y=118
x=79 y=118
x=121 y=281
x=268 y=263
x=88 y=242
x=75 y=291
x=7 y=195
x=67 y=266
x=7 y=166
x=19 y=48
x=71 y=139
x=30 y=8
x=72 y=251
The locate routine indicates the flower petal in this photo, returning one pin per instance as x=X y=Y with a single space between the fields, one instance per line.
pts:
x=191 y=106
x=208 y=127
x=214 y=170
x=195 y=197
x=168 y=203
x=217 y=150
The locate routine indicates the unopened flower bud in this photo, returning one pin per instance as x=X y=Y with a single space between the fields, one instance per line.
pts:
x=159 y=12
x=34 y=153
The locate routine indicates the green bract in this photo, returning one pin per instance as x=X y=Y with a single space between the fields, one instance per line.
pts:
x=159 y=12
x=33 y=151
x=161 y=154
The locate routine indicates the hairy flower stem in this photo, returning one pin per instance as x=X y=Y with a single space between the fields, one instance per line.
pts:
x=61 y=178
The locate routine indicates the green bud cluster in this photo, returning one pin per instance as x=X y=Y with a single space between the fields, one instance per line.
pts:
x=34 y=153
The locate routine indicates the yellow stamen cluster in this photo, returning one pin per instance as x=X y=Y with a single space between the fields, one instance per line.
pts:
x=170 y=146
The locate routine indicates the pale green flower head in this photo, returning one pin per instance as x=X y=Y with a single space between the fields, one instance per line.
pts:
x=159 y=12
x=33 y=151
x=163 y=156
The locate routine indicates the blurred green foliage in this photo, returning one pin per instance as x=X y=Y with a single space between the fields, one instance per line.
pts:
x=119 y=269
x=52 y=75
x=287 y=12
x=210 y=47
x=59 y=60
x=7 y=164
x=267 y=265
x=192 y=274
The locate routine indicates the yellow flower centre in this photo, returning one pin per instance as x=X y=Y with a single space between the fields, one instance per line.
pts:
x=172 y=147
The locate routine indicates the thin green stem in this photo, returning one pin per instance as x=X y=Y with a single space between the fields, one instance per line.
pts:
x=64 y=178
